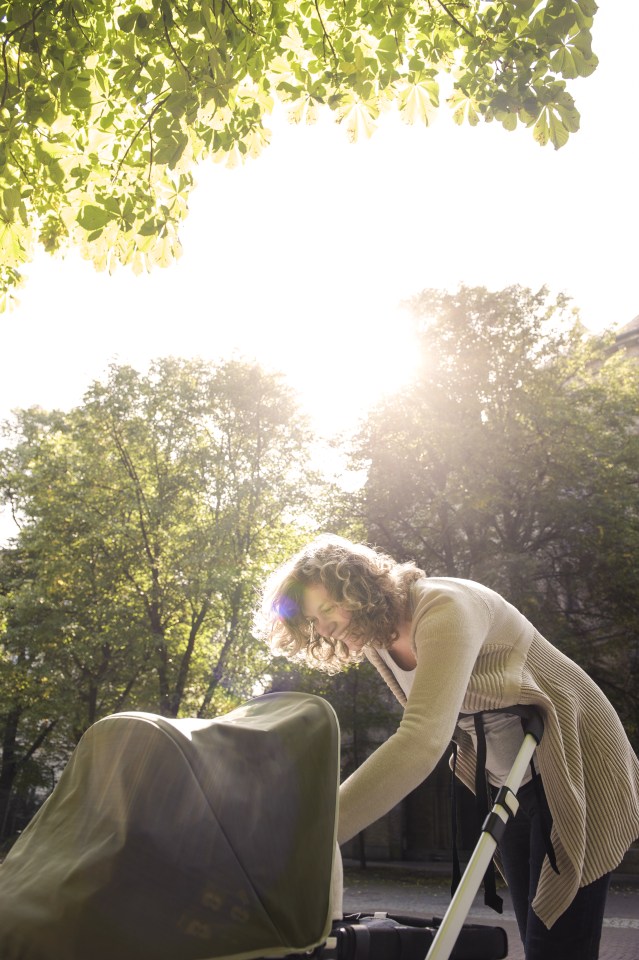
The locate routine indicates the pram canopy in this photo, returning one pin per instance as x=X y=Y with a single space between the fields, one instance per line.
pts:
x=182 y=840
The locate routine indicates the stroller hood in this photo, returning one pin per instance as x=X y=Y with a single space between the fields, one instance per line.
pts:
x=182 y=840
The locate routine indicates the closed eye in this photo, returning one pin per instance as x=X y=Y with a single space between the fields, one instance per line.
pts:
x=322 y=613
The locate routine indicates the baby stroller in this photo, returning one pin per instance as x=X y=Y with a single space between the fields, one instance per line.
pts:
x=198 y=840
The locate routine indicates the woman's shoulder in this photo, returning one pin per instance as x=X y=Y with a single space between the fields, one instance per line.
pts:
x=451 y=596
x=457 y=601
x=431 y=593
x=452 y=587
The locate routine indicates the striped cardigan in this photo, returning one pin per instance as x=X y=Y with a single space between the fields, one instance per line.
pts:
x=474 y=652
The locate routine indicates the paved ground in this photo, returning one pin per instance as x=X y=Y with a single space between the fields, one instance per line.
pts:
x=411 y=892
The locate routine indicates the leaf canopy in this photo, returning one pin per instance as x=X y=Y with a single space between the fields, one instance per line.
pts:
x=512 y=459
x=106 y=106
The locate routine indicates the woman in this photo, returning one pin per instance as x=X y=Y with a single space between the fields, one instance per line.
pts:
x=449 y=648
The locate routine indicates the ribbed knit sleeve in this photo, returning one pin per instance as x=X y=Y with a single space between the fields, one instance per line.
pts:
x=450 y=624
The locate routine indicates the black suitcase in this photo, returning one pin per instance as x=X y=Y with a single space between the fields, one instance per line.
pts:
x=379 y=936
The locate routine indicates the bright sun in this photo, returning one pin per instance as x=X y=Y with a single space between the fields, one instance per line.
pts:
x=345 y=365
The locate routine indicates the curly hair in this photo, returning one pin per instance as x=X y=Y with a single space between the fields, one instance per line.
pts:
x=370 y=585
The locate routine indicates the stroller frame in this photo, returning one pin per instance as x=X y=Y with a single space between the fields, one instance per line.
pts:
x=504 y=808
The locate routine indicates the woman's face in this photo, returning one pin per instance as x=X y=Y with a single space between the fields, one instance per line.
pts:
x=329 y=619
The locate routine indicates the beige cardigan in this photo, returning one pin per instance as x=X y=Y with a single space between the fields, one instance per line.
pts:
x=474 y=652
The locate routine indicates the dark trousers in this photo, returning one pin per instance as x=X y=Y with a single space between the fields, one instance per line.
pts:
x=577 y=932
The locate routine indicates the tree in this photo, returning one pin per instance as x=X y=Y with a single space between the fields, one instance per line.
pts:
x=29 y=706
x=105 y=107
x=513 y=460
x=150 y=514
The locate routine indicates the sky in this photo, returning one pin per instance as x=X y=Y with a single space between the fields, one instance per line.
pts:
x=302 y=258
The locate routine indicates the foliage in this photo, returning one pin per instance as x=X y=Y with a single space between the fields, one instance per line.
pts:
x=106 y=106
x=513 y=460
x=367 y=711
x=150 y=514
x=29 y=702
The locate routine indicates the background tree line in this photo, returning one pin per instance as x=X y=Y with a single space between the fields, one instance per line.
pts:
x=148 y=516
x=513 y=459
x=106 y=109
x=151 y=512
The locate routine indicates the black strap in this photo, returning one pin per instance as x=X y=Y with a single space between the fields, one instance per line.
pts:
x=530 y=720
x=545 y=817
x=531 y=723
x=491 y=898
x=456 y=878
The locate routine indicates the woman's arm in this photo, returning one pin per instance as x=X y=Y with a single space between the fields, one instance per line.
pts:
x=450 y=625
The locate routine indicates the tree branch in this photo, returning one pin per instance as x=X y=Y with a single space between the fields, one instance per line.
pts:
x=173 y=50
x=251 y=30
x=5 y=63
x=455 y=20
x=326 y=38
x=27 y=23
x=37 y=743
x=147 y=123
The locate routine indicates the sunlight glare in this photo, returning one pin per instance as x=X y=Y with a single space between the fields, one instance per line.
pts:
x=350 y=365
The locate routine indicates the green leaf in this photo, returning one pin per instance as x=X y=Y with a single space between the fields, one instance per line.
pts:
x=418 y=102
x=170 y=149
x=588 y=7
x=11 y=198
x=92 y=217
x=141 y=22
x=80 y=97
x=177 y=103
x=126 y=22
x=149 y=228
x=387 y=49
x=167 y=12
x=541 y=131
